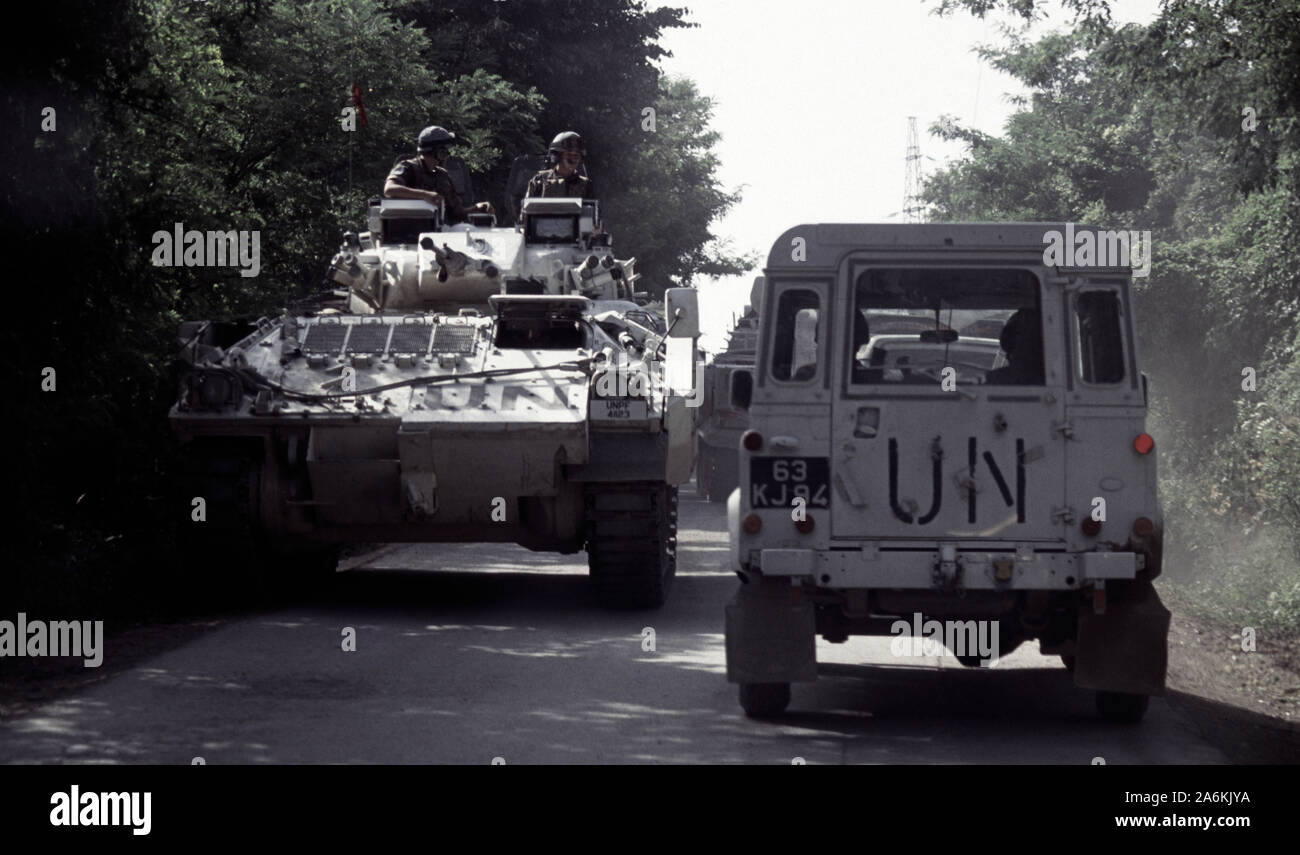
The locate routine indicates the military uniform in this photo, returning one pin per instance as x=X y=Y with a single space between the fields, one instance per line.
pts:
x=412 y=172
x=549 y=184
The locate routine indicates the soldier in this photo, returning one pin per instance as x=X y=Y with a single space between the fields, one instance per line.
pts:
x=423 y=176
x=562 y=179
x=1022 y=342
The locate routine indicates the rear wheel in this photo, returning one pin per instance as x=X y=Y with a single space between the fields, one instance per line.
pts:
x=1122 y=707
x=632 y=543
x=764 y=700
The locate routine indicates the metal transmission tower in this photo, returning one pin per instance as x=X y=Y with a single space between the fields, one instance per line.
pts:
x=912 y=207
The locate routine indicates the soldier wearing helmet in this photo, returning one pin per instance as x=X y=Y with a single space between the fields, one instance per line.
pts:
x=423 y=176
x=1022 y=342
x=563 y=178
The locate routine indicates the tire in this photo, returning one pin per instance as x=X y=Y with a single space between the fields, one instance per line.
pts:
x=632 y=543
x=764 y=700
x=1122 y=707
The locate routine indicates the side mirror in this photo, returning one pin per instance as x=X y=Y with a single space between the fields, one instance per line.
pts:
x=682 y=310
x=742 y=389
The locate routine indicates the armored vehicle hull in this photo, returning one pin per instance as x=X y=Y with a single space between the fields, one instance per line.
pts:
x=721 y=425
x=549 y=418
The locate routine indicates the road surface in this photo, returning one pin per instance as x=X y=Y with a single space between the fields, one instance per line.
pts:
x=482 y=653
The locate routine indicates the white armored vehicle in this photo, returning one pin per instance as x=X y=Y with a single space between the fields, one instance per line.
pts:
x=486 y=385
x=720 y=424
x=944 y=429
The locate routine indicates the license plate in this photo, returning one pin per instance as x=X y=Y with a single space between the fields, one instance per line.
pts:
x=618 y=409
x=774 y=482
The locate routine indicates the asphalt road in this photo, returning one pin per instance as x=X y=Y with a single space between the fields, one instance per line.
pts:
x=476 y=653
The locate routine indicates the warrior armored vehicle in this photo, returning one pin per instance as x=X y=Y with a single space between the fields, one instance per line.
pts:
x=485 y=384
x=945 y=431
x=720 y=425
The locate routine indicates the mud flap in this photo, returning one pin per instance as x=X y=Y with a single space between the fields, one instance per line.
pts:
x=770 y=639
x=1126 y=648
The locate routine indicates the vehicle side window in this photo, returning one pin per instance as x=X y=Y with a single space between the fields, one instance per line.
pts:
x=1101 y=337
x=795 y=344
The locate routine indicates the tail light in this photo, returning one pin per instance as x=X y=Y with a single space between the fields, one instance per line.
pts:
x=805 y=526
x=1091 y=527
x=752 y=524
x=1143 y=527
x=1143 y=443
x=752 y=440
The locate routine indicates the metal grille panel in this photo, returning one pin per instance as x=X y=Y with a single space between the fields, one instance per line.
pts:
x=368 y=338
x=410 y=338
x=454 y=339
x=324 y=338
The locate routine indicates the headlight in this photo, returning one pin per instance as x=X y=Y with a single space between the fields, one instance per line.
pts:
x=213 y=389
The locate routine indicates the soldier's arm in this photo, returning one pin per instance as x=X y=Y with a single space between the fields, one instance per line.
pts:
x=394 y=190
x=534 y=188
x=398 y=185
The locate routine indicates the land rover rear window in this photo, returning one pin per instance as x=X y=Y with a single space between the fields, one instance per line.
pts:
x=1101 y=339
x=796 y=337
x=909 y=324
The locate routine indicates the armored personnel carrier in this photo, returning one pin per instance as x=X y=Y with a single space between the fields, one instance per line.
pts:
x=486 y=384
x=944 y=431
x=720 y=425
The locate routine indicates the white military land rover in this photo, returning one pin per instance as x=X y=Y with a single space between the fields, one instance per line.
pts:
x=942 y=425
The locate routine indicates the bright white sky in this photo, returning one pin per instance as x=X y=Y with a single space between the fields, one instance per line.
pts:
x=812 y=98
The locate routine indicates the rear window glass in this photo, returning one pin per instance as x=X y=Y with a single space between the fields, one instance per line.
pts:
x=1101 y=339
x=910 y=324
x=798 y=331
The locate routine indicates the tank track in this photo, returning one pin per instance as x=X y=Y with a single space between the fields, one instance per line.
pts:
x=632 y=542
x=231 y=559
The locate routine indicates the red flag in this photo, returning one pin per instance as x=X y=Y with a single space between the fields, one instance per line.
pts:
x=356 y=100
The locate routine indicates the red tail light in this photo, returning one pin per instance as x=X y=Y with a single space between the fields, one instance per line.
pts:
x=1143 y=443
x=1091 y=527
x=752 y=524
x=1143 y=527
x=752 y=440
x=805 y=526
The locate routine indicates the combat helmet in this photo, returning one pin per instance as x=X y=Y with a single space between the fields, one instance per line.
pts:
x=434 y=137
x=566 y=141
